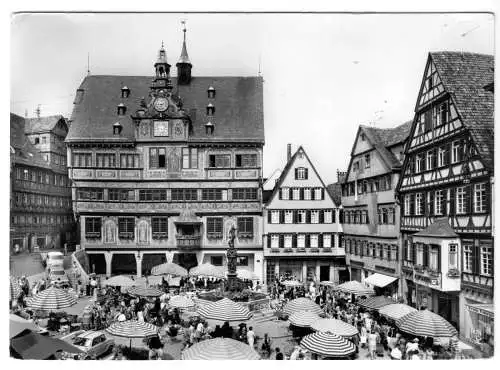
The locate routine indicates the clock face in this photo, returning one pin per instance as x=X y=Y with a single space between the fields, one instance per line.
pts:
x=161 y=104
x=161 y=128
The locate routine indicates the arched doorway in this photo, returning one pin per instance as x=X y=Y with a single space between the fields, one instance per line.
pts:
x=149 y=260
x=123 y=264
x=97 y=263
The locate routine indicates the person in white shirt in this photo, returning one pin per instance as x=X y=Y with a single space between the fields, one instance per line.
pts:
x=251 y=336
x=122 y=317
x=396 y=353
x=413 y=346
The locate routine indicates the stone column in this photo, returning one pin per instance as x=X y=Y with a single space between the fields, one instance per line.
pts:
x=109 y=257
x=138 y=261
x=258 y=265
x=332 y=273
x=277 y=268
x=170 y=256
x=317 y=271
x=304 y=271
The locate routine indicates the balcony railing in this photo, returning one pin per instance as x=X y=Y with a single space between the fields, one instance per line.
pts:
x=300 y=250
x=188 y=241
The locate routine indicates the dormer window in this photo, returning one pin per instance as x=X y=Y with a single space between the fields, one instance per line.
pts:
x=209 y=127
x=121 y=108
x=117 y=128
x=125 y=92
x=211 y=92
x=210 y=109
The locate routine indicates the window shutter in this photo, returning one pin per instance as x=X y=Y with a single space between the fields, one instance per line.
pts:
x=397 y=254
x=281 y=193
x=312 y=190
x=452 y=201
x=282 y=217
x=269 y=240
x=414 y=253
x=308 y=240
x=301 y=194
x=333 y=215
x=476 y=258
x=405 y=257
x=468 y=198
x=439 y=258
x=320 y=240
x=294 y=241
x=308 y=217
x=282 y=241
x=431 y=203
x=412 y=205
x=361 y=249
x=447 y=154
x=268 y=216
x=296 y=173
x=322 y=194
x=426 y=255
x=321 y=217
x=306 y=173
x=295 y=217
x=341 y=216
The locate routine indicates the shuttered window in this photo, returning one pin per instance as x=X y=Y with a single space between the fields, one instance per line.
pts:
x=159 y=226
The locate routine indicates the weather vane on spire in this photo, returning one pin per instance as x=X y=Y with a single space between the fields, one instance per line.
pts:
x=162 y=44
x=183 y=22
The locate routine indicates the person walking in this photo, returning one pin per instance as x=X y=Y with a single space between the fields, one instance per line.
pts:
x=372 y=344
x=279 y=354
x=251 y=337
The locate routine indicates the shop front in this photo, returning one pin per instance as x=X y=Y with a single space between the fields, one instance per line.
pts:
x=383 y=284
x=479 y=325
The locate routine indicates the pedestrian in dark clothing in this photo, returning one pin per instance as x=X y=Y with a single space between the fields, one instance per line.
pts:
x=279 y=354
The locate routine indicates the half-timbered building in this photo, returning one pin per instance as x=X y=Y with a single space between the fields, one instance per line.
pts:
x=370 y=212
x=163 y=167
x=446 y=192
x=302 y=233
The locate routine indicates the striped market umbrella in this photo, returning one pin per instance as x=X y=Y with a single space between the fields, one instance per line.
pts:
x=355 y=287
x=180 y=301
x=15 y=288
x=303 y=319
x=302 y=304
x=120 y=280
x=334 y=326
x=426 y=324
x=292 y=283
x=374 y=303
x=225 y=310
x=327 y=283
x=143 y=291
x=328 y=345
x=132 y=329
x=51 y=299
x=220 y=349
x=169 y=269
x=396 y=311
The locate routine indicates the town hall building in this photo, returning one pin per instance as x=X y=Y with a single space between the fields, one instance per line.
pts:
x=163 y=167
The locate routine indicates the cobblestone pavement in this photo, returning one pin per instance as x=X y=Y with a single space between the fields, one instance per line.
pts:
x=30 y=264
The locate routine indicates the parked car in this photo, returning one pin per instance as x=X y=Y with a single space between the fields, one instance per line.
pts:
x=93 y=343
x=54 y=259
x=58 y=277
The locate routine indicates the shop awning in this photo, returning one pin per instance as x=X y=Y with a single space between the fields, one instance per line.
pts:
x=487 y=310
x=380 y=280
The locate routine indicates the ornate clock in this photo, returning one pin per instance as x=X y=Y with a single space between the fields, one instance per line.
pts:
x=161 y=104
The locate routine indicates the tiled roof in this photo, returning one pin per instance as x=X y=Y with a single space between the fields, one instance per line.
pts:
x=440 y=228
x=41 y=124
x=335 y=191
x=465 y=76
x=383 y=138
x=238 y=107
x=24 y=151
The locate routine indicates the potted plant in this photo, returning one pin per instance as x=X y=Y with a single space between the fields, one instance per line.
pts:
x=453 y=273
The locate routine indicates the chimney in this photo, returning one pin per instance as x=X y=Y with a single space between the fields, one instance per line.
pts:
x=288 y=152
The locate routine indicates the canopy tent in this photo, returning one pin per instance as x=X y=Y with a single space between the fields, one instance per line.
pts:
x=303 y=319
x=328 y=283
x=355 y=287
x=374 y=303
x=246 y=274
x=169 y=269
x=396 y=311
x=181 y=302
x=334 y=326
x=380 y=280
x=33 y=346
x=208 y=270
x=327 y=344
x=143 y=291
x=132 y=329
x=425 y=323
x=220 y=349
x=121 y=281
x=225 y=310
x=51 y=299
x=302 y=304
x=18 y=325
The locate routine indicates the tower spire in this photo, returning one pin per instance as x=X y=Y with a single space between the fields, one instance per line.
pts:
x=184 y=64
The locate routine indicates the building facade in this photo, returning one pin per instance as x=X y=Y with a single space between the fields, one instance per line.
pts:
x=302 y=233
x=446 y=192
x=370 y=217
x=40 y=202
x=163 y=168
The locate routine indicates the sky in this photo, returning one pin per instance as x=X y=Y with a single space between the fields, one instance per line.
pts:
x=324 y=74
